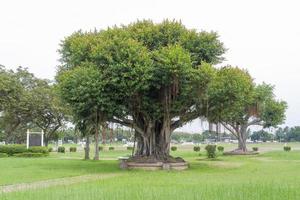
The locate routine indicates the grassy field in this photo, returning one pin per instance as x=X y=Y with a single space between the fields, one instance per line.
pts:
x=273 y=174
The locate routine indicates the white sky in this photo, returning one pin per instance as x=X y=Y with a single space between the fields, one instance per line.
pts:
x=262 y=36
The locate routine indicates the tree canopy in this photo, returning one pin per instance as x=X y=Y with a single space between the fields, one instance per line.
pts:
x=237 y=103
x=154 y=76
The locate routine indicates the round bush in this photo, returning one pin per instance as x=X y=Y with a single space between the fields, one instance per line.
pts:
x=3 y=155
x=130 y=148
x=50 y=149
x=111 y=148
x=220 y=148
x=73 y=149
x=255 y=148
x=61 y=150
x=173 y=148
x=211 y=151
x=101 y=148
x=197 y=148
x=287 y=148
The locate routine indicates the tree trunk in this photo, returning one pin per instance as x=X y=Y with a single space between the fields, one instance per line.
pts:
x=154 y=142
x=96 y=144
x=103 y=134
x=87 y=148
x=242 y=137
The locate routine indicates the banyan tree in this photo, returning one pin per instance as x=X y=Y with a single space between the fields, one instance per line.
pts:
x=150 y=77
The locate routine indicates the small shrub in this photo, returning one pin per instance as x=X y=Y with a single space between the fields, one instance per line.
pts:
x=287 y=148
x=220 y=148
x=61 y=150
x=73 y=149
x=38 y=149
x=255 y=148
x=211 y=151
x=3 y=155
x=130 y=148
x=197 y=148
x=173 y=148
x=111 y=148
x=101 y=148
x=50 y=149
x=30 y=155
x=12 y=149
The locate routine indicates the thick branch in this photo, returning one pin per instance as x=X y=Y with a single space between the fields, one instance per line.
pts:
x=230 y=129
x=187 y=117
x=128 y=123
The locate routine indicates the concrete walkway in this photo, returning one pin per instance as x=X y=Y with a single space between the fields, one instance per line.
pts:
x=54 y=182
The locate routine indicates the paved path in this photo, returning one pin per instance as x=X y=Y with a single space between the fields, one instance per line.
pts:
x=54 y=182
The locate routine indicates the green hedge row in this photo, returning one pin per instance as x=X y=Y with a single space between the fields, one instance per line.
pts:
x=14 y=149
x=3 y=155
x=30 y=155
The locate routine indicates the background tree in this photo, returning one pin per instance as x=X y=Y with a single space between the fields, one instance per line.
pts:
x=82 y=89
x=27 y=102
x=244 y=104
x=48 y=112
x=262 y=135
x=155 y=74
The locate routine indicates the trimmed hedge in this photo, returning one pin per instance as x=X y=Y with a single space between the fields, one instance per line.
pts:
x=173 y=148
x=197 y=148
x=287 y=148
x=111 y=148
x=15 y=149
x=101 y=148
x=12 y=149
x=37 y=149
x=220 y=148
x=73 y=149
x=30 y=155
x=3 y=155
x=255 y=148
x=61 y=150
x=211 y=151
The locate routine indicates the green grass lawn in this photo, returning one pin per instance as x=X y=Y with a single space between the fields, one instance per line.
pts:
x=270 y=175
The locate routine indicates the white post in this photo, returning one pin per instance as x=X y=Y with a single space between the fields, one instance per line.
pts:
x=42 y=138
x=27 y=142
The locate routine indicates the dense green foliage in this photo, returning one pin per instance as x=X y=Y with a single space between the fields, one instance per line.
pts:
x=28 y=103
x=211 y=150
x=18 y=149
x=61 y=149
x=12 y=149
x=151 y=77
x=72 y=149
x=220 y=148
x=261 y=135
x=287 y=148
x=3 y=155
x=288 y=134
x=173 y=148
x=30 y=155
x=111 y=148
x=196 y=148
x=255 y=148
x=244 y=104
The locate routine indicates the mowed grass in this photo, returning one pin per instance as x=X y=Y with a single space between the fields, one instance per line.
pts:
x=270 y=175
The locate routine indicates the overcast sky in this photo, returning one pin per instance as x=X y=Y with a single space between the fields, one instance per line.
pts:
x=262 y=36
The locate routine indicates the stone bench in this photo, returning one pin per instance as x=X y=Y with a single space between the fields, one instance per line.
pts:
x=123 y=162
